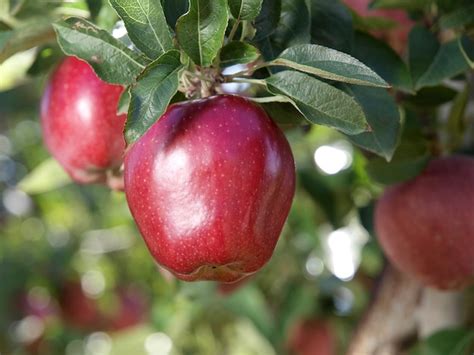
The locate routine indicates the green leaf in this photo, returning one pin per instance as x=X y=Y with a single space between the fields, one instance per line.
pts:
x=174 y=9
x=294 y=25
x=124 y=102
x=152 y=93
x=110 y=58
x=329 y=64
x=383 y=117
x=319 y=102
x=46 y=59
x=446 y=342
x=94 y=7
x=47 y=176
x=401 y=4
x=410 y=158
x=268 y=19
x=382 y=59
x=456 y=125
x=331 y=25
x=431 y=96
x=462 y=16
x=201 y=30
x=238 y=53
x=246 y=10
x=30 y=34
x=449 y=62
x=284 y=113
x=146 y=25
x=423 y=46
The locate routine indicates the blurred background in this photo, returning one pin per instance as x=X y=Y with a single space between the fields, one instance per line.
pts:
x=76 y=277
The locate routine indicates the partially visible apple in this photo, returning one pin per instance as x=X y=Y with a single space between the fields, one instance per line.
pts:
x=210 y=185
x=131 y=310
x=312 y=337
x=80 y=126
x=396 y=37
x=77 y=309
x=426 y=226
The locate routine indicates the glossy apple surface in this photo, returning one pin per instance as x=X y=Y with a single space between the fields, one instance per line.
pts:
x=80 y=126
x=426 y=226
x=210 y=186
x=397 y=36
x=312 y=337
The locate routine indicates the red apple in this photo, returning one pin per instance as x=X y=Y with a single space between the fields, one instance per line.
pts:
x=132 y=309
x=312 y=337
x=396 y=37
x=426 y=225
x=77 y=309
x=210 y=186
x=80 y=126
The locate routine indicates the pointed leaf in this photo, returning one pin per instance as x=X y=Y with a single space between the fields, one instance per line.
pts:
x=268 y=19
x=383 y=117
x=110 y=58
x=381 y=58
x=201 y=30
x=423 y=46
x=146 y=25
x=319 y=102
x=152 y=94
x=238 y=53
x=329 y=64
x=245 y=9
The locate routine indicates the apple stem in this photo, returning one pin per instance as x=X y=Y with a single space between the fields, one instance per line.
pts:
x=390 y=318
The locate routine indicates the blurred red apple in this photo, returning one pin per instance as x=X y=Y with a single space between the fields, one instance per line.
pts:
x=396 y=37
x=210 y=186
x=132 y=309
x=80 y=126
x=426 y=226
x=312 y=337
x=77 y=309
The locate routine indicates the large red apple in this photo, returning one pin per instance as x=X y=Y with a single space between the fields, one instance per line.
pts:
x=210 y=186
x=396 y=37
x=312 y=337
x=80 y=126
x=426 y=225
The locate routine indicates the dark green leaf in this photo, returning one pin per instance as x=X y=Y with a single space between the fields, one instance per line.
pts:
x=28 y=35
x=152 y=94
x=294 y=25
x=268 y=19
x=174 y=9
x=284 y=113
x=401 y=4
x=423 y=46
x=319 y=102
x=329 y=64
x=381 y=58
x=201 y=30
x=431 y=96
x=410 y=158
x=146 y=25
x=46 y=59
x=383 y=117
x=449 y=62
x=110 y=58
x=238 y=53
x=456 y=124
x=94 y=7
x=462 y=16
x=245 y=9
x=331 y=25
x=446 y=342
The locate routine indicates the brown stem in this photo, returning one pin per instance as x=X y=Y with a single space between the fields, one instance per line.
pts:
x=390 y=318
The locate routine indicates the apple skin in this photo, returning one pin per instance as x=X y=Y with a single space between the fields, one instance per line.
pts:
x=80 y=126
x=396 y=37
x=312 y=337
x=426 y=226
x=210 y=186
